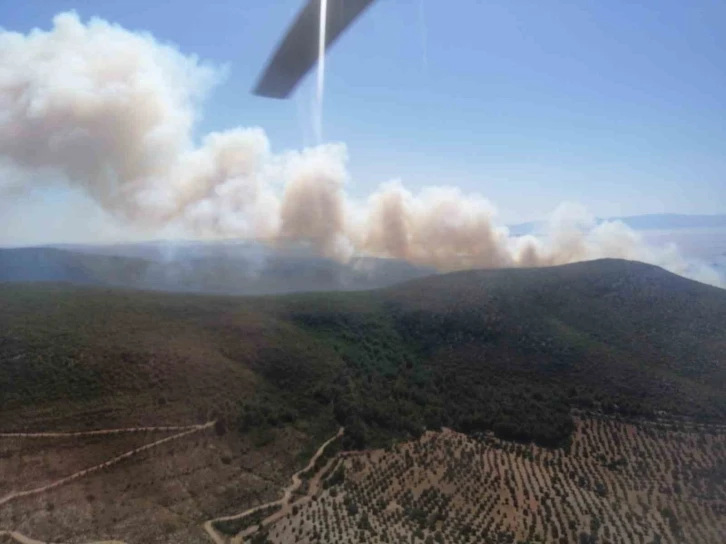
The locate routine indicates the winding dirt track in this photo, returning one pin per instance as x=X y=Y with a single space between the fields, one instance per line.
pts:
x=19 y=537
x=284 y=502
x=113 y=461
x=287 y=509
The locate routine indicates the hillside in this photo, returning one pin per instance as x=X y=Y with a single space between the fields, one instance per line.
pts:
x=253 y=385
x=509 y=350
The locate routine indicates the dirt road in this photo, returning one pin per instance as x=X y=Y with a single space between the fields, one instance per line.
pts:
x=313 y=487
x=284 y=502
x=23 y=539
x=110 y=462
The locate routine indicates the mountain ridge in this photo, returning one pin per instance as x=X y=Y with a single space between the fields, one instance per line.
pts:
x=214 y=268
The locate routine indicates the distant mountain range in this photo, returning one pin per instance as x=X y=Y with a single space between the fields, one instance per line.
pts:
x=247 y=268
x=659 y=221
x=238 y=268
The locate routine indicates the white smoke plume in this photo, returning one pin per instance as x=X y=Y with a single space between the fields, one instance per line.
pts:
x=111 y=113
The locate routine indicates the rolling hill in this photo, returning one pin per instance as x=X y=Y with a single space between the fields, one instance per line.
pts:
x=575 y=396
x=508 y=350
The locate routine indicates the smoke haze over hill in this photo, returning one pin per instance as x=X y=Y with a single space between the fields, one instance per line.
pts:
x=109 y=115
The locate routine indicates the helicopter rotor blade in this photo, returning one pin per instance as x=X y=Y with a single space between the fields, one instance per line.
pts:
x=298 y=51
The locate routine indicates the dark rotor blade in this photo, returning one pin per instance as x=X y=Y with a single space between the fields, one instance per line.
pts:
x=298 y=51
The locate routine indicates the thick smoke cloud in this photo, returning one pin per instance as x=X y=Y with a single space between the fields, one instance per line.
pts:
x=111 y=113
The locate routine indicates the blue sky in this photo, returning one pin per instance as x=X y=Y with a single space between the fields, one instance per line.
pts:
x=619 y=105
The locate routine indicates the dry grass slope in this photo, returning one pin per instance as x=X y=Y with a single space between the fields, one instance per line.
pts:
x=163 y=494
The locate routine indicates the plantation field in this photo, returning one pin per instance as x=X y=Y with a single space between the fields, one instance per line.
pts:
x=617 y=482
